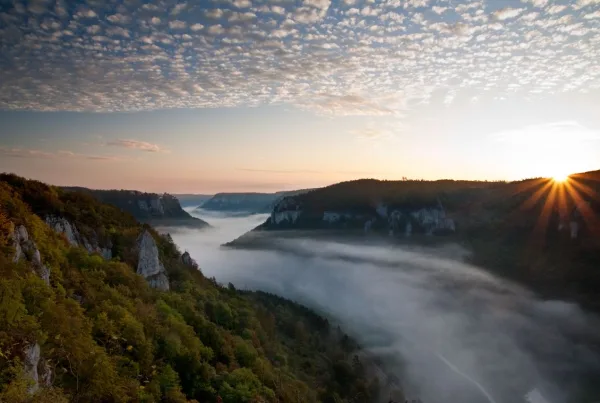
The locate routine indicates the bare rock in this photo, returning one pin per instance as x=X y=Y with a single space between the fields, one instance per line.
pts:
x=31 y=359
x=62 y=226
x=24 y=247
x=187 y=260
x=149 y=265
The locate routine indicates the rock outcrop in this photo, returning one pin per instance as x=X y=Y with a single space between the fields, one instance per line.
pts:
x=31 y=359
x=25 y=248
x=149 y=265
x=62 y=226
x=187 y=260
x=156 y=209
x=397 y=220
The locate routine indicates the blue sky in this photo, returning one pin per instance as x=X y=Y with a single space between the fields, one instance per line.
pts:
x=206 y=96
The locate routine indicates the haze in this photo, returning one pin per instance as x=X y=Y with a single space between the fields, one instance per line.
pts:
x=448 y=330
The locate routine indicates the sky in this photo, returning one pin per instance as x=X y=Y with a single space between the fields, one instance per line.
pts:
x=242 y=95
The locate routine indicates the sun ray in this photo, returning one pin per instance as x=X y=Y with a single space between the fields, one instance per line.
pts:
x=536 y=196
x=527 y=185
x=582 y=187
x=588 y=215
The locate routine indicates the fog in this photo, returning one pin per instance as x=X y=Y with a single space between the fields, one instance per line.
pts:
x=449 y=331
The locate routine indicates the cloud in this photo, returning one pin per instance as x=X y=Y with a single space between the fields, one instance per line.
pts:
x=242 y=3
x=177 y=24
x=594 y=15
x=585 y=3
x=109 y=56
x=556 y=9
x=17 y=152
x=507 y=13
x=320 y=4
x=136 y=145
x=537 y=3
x=351 y=104
x=178 y=8
x=24 y=153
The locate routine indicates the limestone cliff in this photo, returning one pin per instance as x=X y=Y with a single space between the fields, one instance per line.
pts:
x=62 y=226
x=25 y=248
x=156 y=209
x=149 y=265
x=31 y=360
x=395 y=219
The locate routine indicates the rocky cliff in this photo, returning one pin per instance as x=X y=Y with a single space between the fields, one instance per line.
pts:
x=156 y=209
x=149 y=265
x=62 y=226
x=539 y=232
x=26 y=249
x=395 y=219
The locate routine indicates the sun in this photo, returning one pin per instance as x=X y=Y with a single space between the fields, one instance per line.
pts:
x=560 y=177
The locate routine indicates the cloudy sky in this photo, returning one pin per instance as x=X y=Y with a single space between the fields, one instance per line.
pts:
x=205 y=96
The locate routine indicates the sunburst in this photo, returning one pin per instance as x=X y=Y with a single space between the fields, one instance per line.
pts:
x=566 y=195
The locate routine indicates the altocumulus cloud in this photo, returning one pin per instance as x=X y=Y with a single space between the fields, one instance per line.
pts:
x=338 y=57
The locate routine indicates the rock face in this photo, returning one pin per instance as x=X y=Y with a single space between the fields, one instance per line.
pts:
x=31 y=359
x=405 y=221
x=62 y=226
x=149 y=265
x=157 y=209
x=187 y=260
x=25 y=248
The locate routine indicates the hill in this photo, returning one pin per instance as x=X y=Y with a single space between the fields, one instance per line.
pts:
x=96 y=307
x=152 y=208
x=540 y=232
x=192 y=200
x=251 y=203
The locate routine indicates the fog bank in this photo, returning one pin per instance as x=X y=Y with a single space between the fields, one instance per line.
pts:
x=449 y=331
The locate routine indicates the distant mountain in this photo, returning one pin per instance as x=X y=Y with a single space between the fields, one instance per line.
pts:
x=192 y=200
x=153 y=208
x=251 y=203
x=540 y=232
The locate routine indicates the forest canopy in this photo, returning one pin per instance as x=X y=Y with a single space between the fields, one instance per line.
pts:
x=105 y=336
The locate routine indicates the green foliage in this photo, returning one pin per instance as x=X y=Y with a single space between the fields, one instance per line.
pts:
x=107 y=337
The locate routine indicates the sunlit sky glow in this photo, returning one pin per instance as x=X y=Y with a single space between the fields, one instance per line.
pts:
x=206 y=96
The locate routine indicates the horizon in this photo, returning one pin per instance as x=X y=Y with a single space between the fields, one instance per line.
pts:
x=175 y=193
x=237 y=95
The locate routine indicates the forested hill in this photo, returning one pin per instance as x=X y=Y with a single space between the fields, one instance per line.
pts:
x=150 y=208
x=96 y=307
x=539 y=231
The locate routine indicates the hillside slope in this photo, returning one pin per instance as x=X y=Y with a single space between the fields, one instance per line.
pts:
x=192 y=200
x=142 y=324
x=540 y=232
x=152 y=208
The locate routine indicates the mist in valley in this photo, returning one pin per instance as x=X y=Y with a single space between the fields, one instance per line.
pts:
x=449 y=331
